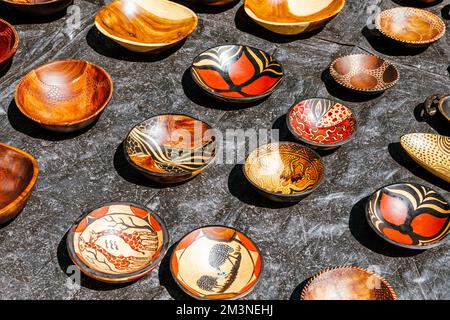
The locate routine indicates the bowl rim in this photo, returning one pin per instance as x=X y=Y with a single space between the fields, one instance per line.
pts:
x=322 y=145
x=72 y=123
x=404 y=246
x=237 y=297
x=441 y=108
x=13 y=51
x=280 y=195
x=33 y=4
x=233 y=99
x=116 y=278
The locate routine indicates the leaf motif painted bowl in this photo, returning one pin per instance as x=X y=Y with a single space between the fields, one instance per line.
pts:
x=37 y=7
x=9 y=42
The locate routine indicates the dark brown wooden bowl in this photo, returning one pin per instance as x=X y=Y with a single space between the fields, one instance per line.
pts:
x=37 y=7
x=9 y=42
x=64 y=96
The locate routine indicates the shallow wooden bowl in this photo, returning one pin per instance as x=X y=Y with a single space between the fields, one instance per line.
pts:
x=171 y=148
x=436 y=103
x=322 y=123
x=284 y=171
x=118 y=242
x=348 y=283
x=9 y=42
x=64 y=96
x=431 y=151
x=18 y=175
x=146 y=26
x=216 y=263
x=37 y=7
x=237 y=73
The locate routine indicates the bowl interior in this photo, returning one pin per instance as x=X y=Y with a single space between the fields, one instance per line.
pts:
x=8 y=41
x=444 y=107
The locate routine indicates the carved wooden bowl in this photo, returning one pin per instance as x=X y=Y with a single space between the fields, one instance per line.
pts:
x=436 y=103
x=118 y=242
x=9 y=42
x=322 y=123
x=431 y=151
x=364 y=73
x=237 y=73
x=18 y=175
x=293 y=17
x=64 y=96
x=171 y=148
x=284 y=171
x=146 y=25
x=348 y=283
x=216 y=263
x=37 y=7
x=409 y=215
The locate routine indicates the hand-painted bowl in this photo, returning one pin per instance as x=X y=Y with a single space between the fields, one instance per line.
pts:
x=9 y=42
x=284 y=171
x=146 y=26
x=18 y=175
x=431 y=151
x=64 y=96
x=216 y=262
x=118 y=242
x=37 y=7
x=237 y=73
x=322 y=123
x=348 y=283
x=436 y=103
x=364 y=73
x=289 y=17
x=171 y=148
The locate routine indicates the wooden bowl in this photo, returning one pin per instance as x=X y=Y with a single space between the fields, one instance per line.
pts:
x=146 y=26
x=348 y=283
x=322 y=123
x=436 y=103
x=118 y=242
x=37 y=7
x=410 y=26
x=9 y=42
x=284 y=171
x=212 y=2
x=18 y=175
x=293 y=17
x=171 y=148
x=364 y=73
x=409 y=215
x=216 y=262
x=431 y=151
x=237 y=73
x=64 y=96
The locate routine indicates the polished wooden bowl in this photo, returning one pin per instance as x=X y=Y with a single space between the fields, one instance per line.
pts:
x=216 y=262
x=364 y=73
x=436 y=103
x=118 y=242
x=284 y=171
x=348 y=283
x=322 y=123
x=146 y=25
x=64 y=96
x=237 y=73
x=9 y=42
x=18 y=175
x=37 y=7
x=171 y=148
x=289 y=17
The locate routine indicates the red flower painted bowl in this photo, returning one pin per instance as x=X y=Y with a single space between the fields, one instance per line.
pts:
x=409 y=215
x=237 y=73
x=9 y=41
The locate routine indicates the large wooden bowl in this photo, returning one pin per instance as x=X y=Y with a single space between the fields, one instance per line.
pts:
x=9 y=42
x=37 y=7
x=64 y=96
x=436 y=103
x=18 y=175
x=146 y=25
x=291 y=17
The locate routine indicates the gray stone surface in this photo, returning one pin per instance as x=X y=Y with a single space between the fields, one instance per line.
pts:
x=83 y=170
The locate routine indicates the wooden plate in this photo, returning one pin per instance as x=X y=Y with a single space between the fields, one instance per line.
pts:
x=37 y=7
x=9 y=42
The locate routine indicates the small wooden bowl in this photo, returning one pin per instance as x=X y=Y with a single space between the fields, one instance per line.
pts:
x=436 y=103
x=322 y=123
x=37 y=7
x=18 y=175
x=213 y=2
x=409 y=215
x=364 y=73
x=237 y=73
x=64 y=96
x=146 y=26
x=431 y=151
x=118 y=242
x=348 y=283
x=293 y=17
x=9 y=42
x=171 y=148
x=284 y=171
x=216 y=262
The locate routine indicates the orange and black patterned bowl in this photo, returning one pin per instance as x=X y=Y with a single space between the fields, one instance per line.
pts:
x=118 y=242
x=37 y=7
x=409 y=215
x=237 y=73
x=9 y=42
x=216 y=262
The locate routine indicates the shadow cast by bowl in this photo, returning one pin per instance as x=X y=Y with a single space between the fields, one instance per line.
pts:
x=446 y=12
x=203 y=8
x=14 y=17
x=5 y=68
x=297 y=293
x=438 y=122
x=414 y=3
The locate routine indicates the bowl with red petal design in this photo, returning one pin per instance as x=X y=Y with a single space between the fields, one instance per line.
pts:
x=237 y=73
x=409 y=215
x=9 y=41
